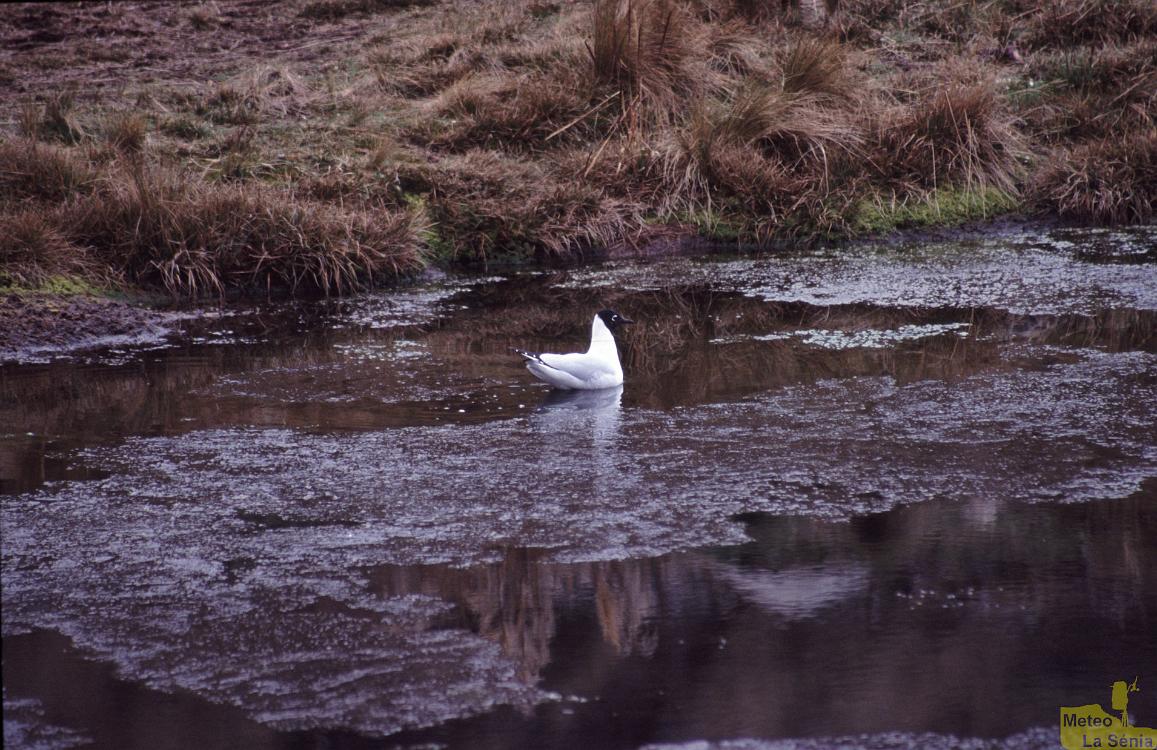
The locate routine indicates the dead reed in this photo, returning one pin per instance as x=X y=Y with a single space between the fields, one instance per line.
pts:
x=1104 y=182
x=542 y=130
x=160 y=227
x=959 y=135
x=38 y=171
x=33 y=251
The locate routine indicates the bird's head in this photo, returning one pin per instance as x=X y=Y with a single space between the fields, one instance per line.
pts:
x=613 y=320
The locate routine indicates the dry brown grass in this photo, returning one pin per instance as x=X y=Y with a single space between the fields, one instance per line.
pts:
x=770 y=154
x=160 y=227
x=486 y=205
x=164 y=228
x=1107 y=181
x=55 y=120
x=734 y=49
x=1093 y=93
x=33 y=250
x=1066 y=23
x=540 y=130
x=959 y=135
x=38 y=171
x=334 y=10
x=127 y=132
x=815 y=66
x=517 y=112
x=779 y=125
x=645 y=50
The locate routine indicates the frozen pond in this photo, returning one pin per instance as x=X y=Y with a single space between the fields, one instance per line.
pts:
x=883 y=497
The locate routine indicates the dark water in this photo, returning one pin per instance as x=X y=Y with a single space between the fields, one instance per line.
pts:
x=875 y=498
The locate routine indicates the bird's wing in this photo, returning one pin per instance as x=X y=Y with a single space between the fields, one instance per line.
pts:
x=578 y=364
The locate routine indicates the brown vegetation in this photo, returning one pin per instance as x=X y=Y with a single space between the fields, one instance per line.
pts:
x=160 y=227
x=956 y=135
x=1104 y=182
x=33 y=250
x=547 y=129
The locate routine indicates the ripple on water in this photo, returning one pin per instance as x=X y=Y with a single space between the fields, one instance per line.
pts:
x=229 y=562
x=25 y=727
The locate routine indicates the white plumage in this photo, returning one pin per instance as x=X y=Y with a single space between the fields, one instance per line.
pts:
x=596 y=368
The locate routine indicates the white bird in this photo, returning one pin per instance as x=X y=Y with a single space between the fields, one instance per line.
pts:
x=596 y=368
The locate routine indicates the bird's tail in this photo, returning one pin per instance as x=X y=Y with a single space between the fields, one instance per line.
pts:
x=528 y=355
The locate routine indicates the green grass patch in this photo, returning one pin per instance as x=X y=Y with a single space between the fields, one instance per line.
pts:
x=713 y=225
x=184 y=128
x=939 y=208
x=57 y=285
x=439 y=251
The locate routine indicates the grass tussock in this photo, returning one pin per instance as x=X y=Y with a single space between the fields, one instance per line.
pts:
x=486 y=206
x=817 y=67
x=758 y=146
x=55 y=120
x=959 y=135
x=127 y=132
x=1091 y=93
x=518 y=112
x=644 y=52
x=37 y=171
x=33 y=251
x=1109 y=182
x=492 y=130
x=1068 y=23
x=163 y=228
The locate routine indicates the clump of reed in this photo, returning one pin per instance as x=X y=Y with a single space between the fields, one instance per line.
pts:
x=485 y=205
x=768 y=151
x=161 y=227
x=127 y=132
x=1106 y=181
x=41 y=171
x=955 y=135
x=645 y=52
x=518 y=112
x=55 y=120
x=1093 y=92
x=1068 y=23
x=33 y=251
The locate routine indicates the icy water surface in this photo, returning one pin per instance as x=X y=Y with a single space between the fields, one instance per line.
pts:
x=893 y=497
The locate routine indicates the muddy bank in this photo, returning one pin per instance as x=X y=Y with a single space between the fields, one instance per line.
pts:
x=34 y=326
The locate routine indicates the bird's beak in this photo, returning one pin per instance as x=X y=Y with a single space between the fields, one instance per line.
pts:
x=625 y=320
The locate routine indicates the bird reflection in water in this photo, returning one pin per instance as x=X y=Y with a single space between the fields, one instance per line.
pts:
x=584 y=426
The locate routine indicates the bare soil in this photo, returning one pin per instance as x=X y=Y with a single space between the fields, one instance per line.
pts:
x=33 y=325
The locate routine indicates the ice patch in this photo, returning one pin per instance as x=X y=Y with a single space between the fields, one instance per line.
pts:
x=1039 y=738
x=868 y=339
x=1028 y=274
x=229 y=562
x=25 y=728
